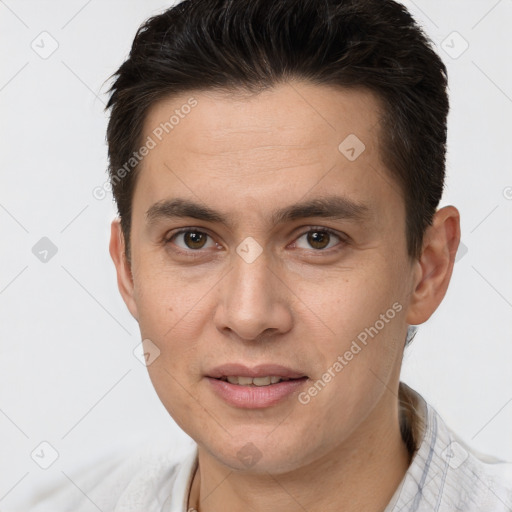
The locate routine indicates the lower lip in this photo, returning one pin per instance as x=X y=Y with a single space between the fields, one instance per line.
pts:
x=255 y=397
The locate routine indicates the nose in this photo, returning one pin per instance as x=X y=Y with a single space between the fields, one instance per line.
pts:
x=254 y=301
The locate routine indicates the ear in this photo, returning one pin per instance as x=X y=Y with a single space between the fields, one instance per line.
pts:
x=123 y=267
x=435 y=265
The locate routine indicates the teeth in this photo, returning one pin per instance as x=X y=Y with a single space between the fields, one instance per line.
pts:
x=261 y=381
x=257 y=381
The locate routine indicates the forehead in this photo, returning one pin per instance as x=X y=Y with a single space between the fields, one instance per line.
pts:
x=298 y=115
x=275 y=146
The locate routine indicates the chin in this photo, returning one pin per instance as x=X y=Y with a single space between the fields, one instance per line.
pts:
x=258 y=454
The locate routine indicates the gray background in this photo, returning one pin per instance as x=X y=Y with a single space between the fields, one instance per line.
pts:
x=68 y=375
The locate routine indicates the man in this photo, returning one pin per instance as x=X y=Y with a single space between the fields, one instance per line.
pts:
x=277 y=168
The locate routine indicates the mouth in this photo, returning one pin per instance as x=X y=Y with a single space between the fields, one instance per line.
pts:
x=257 y=381
x=261 y=375
x=257 y=387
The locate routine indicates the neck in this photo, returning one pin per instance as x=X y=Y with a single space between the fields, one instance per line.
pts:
x=361 y=474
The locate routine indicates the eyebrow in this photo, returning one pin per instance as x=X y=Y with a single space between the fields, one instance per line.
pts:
x=330 y=207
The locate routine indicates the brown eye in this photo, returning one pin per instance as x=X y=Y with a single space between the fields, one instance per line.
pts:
x=194 y=239
x=189 y=239
x=319 y=239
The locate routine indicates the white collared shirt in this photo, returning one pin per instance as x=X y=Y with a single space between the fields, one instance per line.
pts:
x=445 y=475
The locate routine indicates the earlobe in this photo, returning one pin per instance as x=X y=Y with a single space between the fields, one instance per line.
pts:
x=435 y=265
x=123 y=268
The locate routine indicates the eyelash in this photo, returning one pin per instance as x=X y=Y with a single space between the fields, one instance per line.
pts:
x=315 y=229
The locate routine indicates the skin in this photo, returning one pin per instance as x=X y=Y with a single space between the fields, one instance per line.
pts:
x=297 y=304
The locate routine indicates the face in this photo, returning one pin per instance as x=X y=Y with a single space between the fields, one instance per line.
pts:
x=266 y=231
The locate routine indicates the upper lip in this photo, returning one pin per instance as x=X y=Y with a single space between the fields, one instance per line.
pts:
x=262 y=370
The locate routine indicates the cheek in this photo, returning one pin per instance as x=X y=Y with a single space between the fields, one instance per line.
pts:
x=168 y=298
x=358 y=361
x=351 y=301
x=363 y=325
x=176 y=394
x=173 y=322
